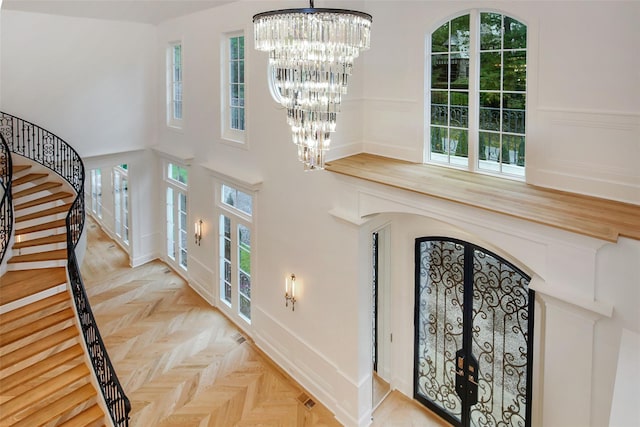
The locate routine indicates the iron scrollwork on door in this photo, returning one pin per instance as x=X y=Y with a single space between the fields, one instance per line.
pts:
x=473 y=329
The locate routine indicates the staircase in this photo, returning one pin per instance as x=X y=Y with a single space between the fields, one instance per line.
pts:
x=45 y=378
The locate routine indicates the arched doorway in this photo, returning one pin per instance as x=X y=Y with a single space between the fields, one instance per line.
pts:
x=473 y=334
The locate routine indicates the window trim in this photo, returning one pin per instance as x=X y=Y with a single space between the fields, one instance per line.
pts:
x=237 y=218
x=96 y=197
x=122 y=173
x=177 y=187
x=172 y=121
x=235 y=137
x=474 y=93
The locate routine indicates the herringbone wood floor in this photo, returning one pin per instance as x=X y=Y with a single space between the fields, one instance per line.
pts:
x=182 y=363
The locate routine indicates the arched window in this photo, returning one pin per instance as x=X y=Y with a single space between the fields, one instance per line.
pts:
x=476 y=98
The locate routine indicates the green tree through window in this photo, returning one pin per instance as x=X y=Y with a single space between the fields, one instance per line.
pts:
x=497 y=98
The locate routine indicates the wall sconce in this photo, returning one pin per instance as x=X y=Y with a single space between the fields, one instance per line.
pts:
x=198 y=231
x=290 y=285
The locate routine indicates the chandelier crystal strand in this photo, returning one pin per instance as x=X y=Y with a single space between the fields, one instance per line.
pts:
x=311 y=53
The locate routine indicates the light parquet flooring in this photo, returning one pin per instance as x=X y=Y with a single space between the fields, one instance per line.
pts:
x=183 y=363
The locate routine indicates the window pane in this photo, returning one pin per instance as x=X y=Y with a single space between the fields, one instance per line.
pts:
x=490 y=64
x=440 y=71
x=439 y=108
x=515 y=34
x=515 y=70
x=458 y=143
x=438 y=140
x=177 y=54
x=459 y=41
x=489 y=151
x=245 y=285
x=513 y=113
x=183 y=258
x=244 y=248
x=490 y=31
x=440 y=39
x=245 y=307
x=244 y=202
x=226 y=229
x=228 y=195
x=459 y=71
x=234 y=72
x=459 y=109
x=178 y=173
x=170 y=229
x=490 y=111
x=225 y=259
x=513 y=150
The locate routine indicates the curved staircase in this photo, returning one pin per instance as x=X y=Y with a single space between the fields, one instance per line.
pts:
x=45 y=376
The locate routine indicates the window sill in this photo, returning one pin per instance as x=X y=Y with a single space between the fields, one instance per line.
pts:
x=590 y=216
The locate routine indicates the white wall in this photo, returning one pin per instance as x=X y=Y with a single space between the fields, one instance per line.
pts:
x=294 y=234
x=583 y=113
x=89 y=81
x=325 y=342
x=145 y=226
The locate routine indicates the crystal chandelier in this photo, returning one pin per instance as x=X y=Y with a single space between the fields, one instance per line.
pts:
x=311 y=54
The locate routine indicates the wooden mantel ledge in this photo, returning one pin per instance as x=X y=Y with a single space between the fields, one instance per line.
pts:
x=590 y=216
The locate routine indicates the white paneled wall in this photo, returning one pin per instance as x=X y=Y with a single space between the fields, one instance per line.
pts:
x=101 y=86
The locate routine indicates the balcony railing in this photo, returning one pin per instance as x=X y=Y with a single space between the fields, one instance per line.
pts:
x=6 y=208
x=37 y=144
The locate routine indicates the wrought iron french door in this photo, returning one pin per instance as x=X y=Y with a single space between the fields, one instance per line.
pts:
x=473 y=335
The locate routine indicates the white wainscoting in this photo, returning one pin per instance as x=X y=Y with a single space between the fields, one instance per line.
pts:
x=318 y=375
x=202 y=280
x=588 y=152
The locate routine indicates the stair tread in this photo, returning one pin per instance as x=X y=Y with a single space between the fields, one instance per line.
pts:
x=60 y=406
x=26 y=310
x=41 y=227
x=55 y=238
x=20 y=168
x=36 y=347
x=28 y=178
x=15 y=285
x=40 y=368
x=54 y=255
x=50 y=198
x=38 y=325
x=41 y=391
x=36 y=189
x=54 y=410
x=84 y=418
x=44 y=212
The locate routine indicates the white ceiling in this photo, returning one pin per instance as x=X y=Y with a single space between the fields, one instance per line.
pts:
x=146 y=11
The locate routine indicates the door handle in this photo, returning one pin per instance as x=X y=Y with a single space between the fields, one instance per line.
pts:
x=466 y=377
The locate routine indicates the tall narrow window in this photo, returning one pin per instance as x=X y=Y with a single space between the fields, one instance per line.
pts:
x=234 y=88
x=96 y=192
x=503 y=85
x=121 y=202
x=449 y=139
x=176 y=180
x=236 y=208
x=477 y=94
x=174 y=79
